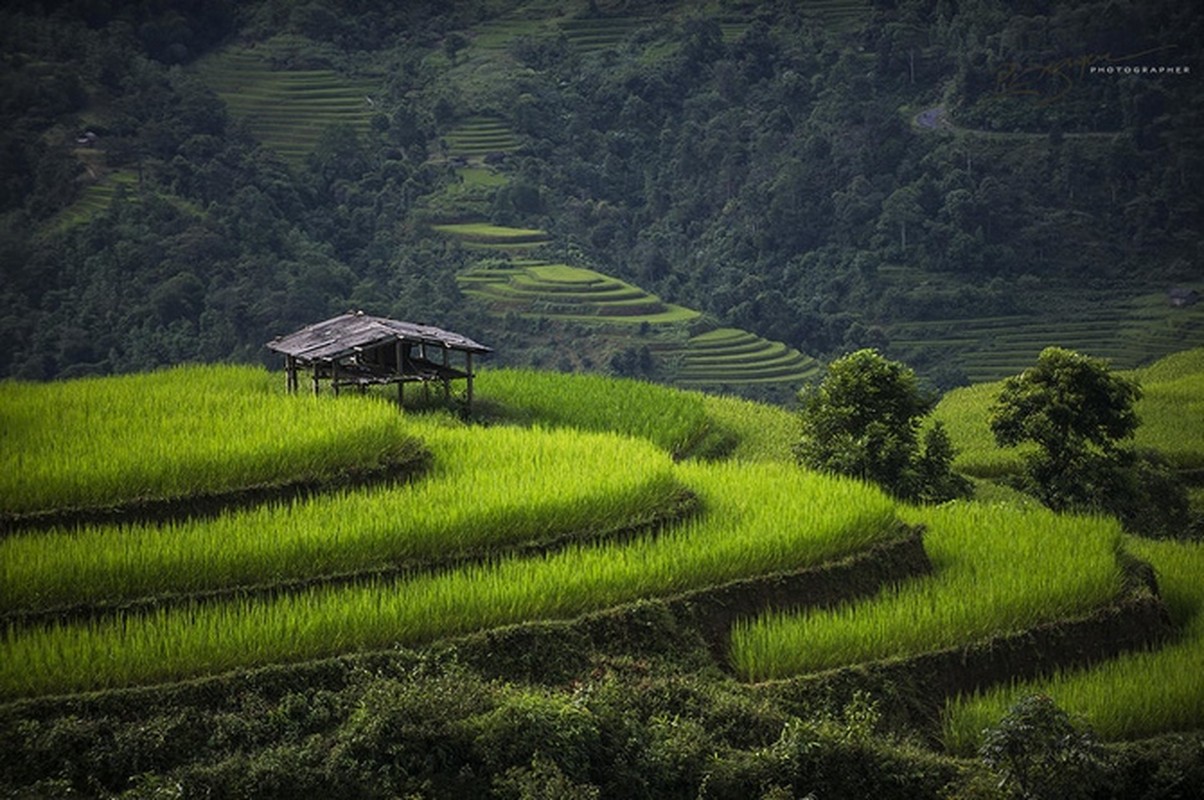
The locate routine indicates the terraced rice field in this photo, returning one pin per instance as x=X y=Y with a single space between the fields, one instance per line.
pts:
x=560 y=291
x=838 y=15
x=1128 y=331
x=1041 y=566
x=593 y=34
x=731 y=355
x=96 y=197
x=288 y=109
x=1134 y=696
x=531 y=523
x=759 y=518
x=479 y=136
x=496 y=35
x=483 y=236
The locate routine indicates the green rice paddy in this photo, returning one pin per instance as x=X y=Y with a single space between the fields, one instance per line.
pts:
x=759 y=518
x=460 y=549
x=1133 y=696
x=488 y=490
x=997 y=570
x=110 y=441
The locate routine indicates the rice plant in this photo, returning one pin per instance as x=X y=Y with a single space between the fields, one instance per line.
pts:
x=997 y=570
x=760 y=518
x=1130 y=697
x=179 y=432
x=670 y=418
x=488 y=489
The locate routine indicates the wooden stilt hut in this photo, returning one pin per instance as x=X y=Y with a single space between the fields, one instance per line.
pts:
x=360 y=350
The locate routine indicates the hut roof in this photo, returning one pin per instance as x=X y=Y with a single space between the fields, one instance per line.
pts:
x=343 y=335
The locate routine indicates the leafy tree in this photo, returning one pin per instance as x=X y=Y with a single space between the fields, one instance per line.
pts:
x=1039 y=753
x=1077 y=412
x=864 y=421
x=1069 y=404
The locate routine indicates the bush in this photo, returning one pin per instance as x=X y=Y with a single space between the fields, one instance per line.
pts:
x=1040 y=754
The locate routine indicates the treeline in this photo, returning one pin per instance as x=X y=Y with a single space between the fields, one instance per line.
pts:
x=218 y=244
x=770 y=177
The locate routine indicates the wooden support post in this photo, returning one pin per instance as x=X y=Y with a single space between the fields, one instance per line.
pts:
x=290 y=374
x=401 y=395
x=468 y=358
x=315 y=379
x=446 y=380
x=334 y=377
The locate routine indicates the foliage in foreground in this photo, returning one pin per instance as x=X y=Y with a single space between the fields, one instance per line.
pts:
x=1040 y=754
x=433 y=727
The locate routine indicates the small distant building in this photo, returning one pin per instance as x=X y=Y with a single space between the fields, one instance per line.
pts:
x=1181 y=297
x=359 y=350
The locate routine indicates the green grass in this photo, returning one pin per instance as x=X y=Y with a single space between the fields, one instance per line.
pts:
x=997 y=570
x=100 y=442
x=760 y=519
x=675 y=421
x=1130 y=697
x=489 y=489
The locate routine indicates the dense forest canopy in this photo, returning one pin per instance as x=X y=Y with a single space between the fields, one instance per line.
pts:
x=809 y=181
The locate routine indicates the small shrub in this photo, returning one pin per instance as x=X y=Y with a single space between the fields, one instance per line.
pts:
x=1039 y=753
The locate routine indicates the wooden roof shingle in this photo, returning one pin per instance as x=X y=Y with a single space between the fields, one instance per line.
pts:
x=342 y=336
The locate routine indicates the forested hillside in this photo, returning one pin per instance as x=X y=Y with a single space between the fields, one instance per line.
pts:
x=958 y=183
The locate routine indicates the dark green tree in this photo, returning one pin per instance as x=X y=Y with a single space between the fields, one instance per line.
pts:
x=1070 y=405
x=864 y=421
x=1078 y=413
x=1038 y=752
